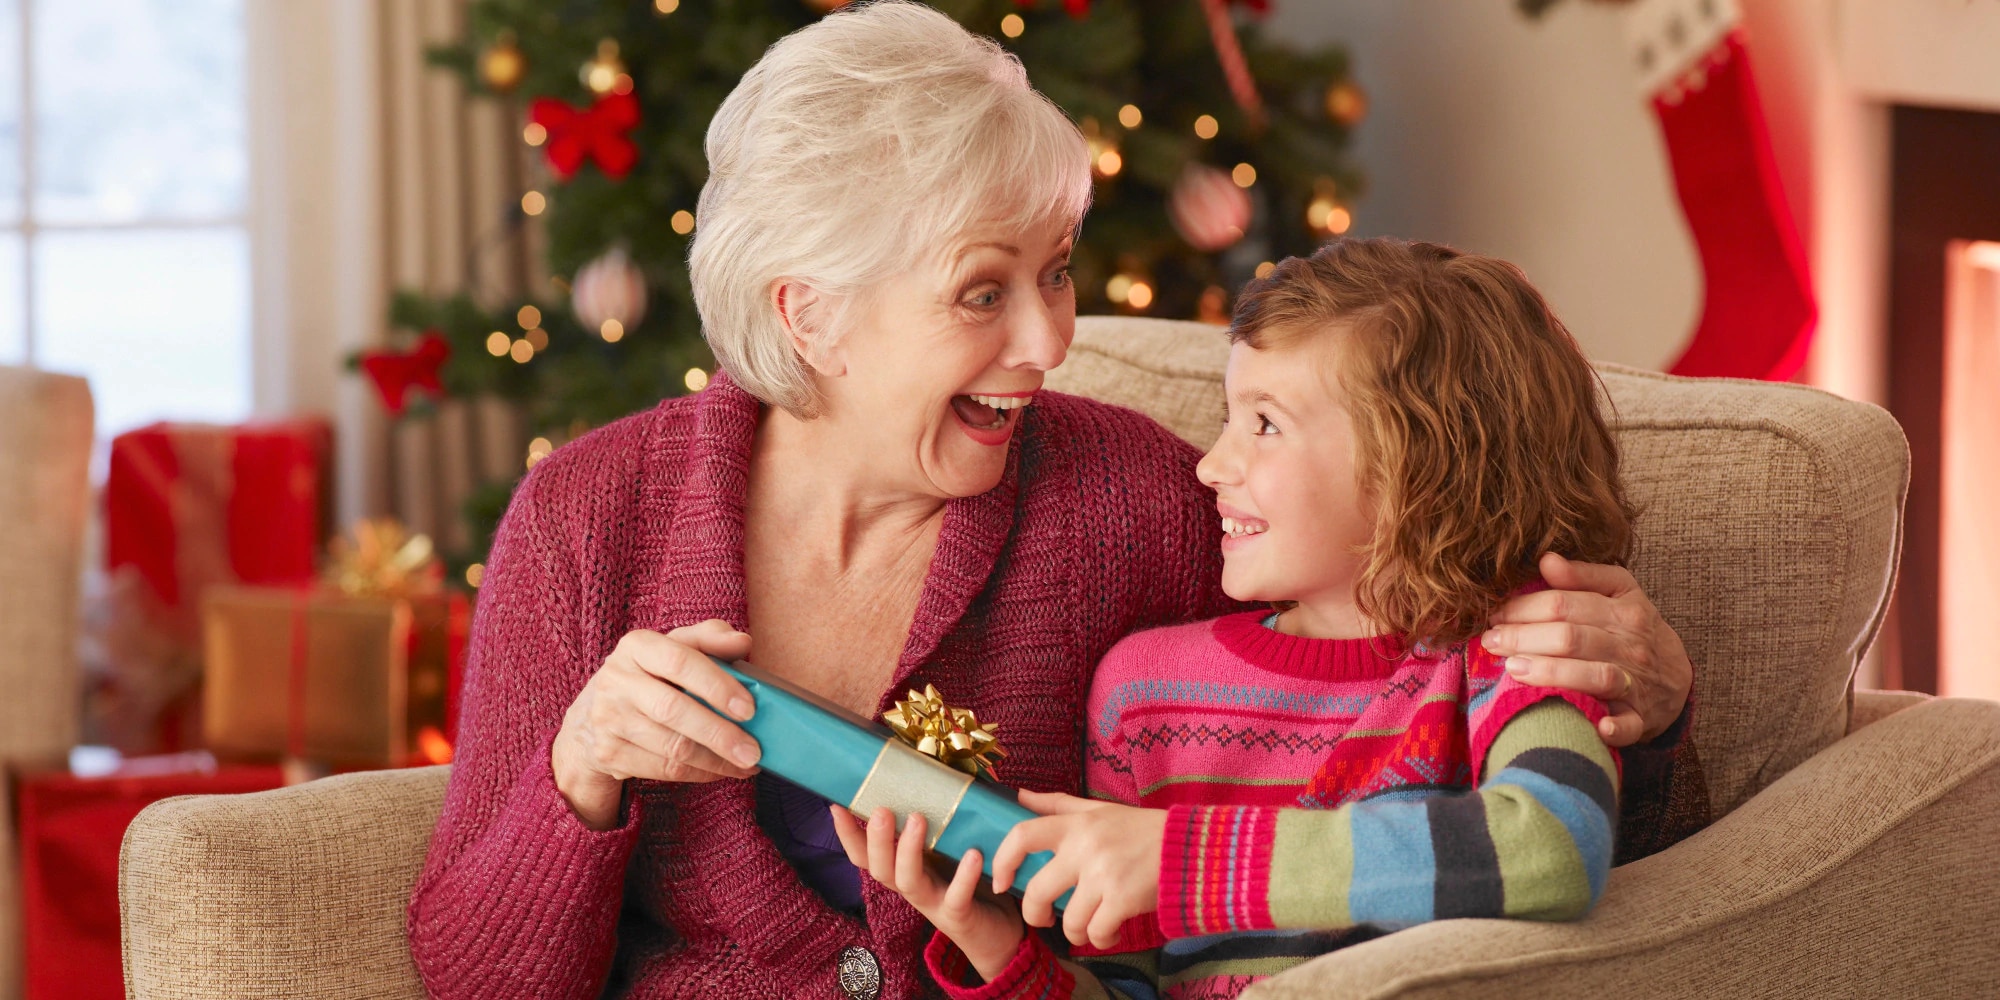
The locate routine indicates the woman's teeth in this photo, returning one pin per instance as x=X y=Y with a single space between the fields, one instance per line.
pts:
x=1238 y=529
x=1002 y=402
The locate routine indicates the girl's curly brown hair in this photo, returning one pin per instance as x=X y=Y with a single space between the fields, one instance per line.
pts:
x=1480 y=444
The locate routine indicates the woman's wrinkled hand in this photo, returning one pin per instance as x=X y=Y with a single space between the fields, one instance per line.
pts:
x=985 y=926
x=1595 y=632
x=638 y=717
x=1109 y=853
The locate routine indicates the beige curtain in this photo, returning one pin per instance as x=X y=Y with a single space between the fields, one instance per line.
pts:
x=454 y=173
x=376 y=172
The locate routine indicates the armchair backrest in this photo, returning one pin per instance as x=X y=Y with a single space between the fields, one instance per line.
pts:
x=1769 y=529
x=45 y=434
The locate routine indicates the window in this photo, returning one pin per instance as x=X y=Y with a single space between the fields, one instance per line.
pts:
x=124 y=181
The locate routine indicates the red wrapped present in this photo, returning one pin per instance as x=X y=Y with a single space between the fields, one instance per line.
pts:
x=70 y=831
x=188 y=505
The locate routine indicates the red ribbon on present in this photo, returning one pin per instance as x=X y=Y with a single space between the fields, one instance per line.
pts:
x=594 y=133
x=396 y=373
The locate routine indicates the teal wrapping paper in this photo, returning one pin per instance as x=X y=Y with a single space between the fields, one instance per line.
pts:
x=832 y=752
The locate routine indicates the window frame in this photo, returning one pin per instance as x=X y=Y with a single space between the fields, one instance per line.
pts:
x=30 y=228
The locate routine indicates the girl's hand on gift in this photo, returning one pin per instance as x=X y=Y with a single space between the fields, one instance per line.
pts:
x=984 y=926
x=1110 y=853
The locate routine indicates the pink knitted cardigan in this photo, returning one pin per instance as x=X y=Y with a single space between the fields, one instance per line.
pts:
x=1097 y=528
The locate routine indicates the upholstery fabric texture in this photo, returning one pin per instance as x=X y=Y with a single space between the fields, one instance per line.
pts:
x=1769 y=533
x=299 y=892
x=1826 y=884
x=45 y=437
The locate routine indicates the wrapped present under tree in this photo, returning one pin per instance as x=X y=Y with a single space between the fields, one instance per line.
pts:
x=189 y=506
x=360 y=671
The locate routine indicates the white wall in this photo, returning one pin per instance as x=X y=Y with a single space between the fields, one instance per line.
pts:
x=1526 y=140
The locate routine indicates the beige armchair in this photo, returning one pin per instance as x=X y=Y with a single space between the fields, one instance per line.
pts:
x=1851 y=858
x=45 y=433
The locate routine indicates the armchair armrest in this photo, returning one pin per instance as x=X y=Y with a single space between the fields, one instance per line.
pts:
x=1865 y=871
x=299 y=892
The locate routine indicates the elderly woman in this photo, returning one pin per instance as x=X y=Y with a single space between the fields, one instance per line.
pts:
x=876 y=490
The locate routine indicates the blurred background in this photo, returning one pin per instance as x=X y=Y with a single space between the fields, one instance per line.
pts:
x=333 y=274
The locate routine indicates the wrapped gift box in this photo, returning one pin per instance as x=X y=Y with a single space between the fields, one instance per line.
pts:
x=189 y=506
x=839 y=756
x=70 y=832
x=355 y=681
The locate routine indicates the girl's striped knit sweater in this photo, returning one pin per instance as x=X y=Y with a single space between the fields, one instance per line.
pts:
x=1319 y=793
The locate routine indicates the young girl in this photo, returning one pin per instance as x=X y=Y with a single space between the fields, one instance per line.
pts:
x=1407 y=427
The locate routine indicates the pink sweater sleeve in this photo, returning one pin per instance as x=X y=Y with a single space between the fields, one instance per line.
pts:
x=518 y=898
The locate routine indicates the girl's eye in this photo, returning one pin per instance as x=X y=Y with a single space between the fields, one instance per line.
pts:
x=1264 y=425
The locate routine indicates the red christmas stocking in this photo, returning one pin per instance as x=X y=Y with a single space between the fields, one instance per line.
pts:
x=1758 y=311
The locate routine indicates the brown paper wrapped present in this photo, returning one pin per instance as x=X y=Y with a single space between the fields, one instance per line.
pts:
x=319 y=674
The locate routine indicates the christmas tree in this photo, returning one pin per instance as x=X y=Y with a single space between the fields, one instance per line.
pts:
x=1216 y=151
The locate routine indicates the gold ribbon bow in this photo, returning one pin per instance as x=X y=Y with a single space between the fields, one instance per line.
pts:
x=953 y=736
x=381 y=558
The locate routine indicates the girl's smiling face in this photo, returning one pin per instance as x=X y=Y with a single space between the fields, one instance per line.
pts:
x=1287 y=485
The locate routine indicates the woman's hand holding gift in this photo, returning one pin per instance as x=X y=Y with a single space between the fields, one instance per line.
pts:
x=639 y=717
x=1109 y=853
x=984 y=926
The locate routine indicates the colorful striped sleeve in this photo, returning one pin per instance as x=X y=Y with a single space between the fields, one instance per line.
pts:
x=1533 y=841
x=1037 y=973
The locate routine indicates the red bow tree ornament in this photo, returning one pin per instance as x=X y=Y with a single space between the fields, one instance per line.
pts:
x=594 y=133
x=395 y=373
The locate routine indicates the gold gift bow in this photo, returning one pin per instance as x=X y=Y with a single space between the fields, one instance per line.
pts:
x=378 y=557
x=952 y=736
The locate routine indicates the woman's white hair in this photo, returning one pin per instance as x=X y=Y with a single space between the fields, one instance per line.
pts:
x=854 y=148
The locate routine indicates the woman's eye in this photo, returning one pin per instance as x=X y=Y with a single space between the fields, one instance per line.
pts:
x=986 y=299
x=1061 y=277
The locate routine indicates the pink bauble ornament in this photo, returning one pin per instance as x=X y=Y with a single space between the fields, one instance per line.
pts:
x=610 y=292
x=1208 y=209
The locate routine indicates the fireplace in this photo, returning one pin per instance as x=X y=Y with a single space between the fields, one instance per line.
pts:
x=1944 y=387
x=1969 y=479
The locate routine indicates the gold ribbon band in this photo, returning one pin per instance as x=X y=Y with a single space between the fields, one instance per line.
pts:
x=909 y=782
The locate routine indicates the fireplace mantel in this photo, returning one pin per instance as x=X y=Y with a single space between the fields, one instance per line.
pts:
x=1937 y=53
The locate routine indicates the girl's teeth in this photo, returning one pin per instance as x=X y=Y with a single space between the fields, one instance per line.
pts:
x=1238 y=529
x=1002 y=402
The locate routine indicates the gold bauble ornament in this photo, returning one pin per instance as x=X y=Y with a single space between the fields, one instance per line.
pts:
x=502 y=66
x=1346 y=103
x=604 y=73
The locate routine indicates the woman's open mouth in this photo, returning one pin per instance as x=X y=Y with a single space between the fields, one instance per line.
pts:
x=989 y=420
